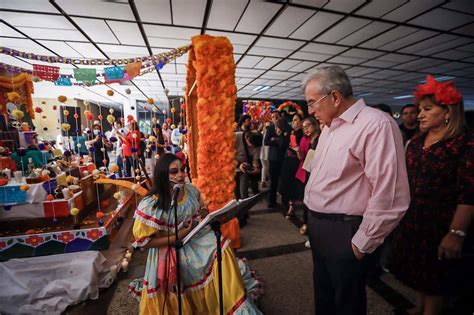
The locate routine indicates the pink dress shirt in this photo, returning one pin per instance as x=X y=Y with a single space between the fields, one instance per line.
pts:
x=359 y=169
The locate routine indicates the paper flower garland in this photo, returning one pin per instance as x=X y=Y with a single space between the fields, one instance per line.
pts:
x=110 y=119
x=65 y=127
x=110 y=93
x=150 y=101
x=62 y=98
x=14 y=97
x=212 y=61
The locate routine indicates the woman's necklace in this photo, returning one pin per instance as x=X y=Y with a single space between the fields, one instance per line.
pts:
x=430 y=142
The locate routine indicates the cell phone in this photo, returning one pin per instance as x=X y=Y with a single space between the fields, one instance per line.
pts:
x=293 y=141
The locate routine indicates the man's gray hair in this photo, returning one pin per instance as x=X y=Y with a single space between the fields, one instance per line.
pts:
x=328 y=79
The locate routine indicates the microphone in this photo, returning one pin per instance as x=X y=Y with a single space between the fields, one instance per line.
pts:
x=174 y=198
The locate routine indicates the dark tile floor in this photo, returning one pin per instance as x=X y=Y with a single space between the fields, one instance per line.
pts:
x=275 y=249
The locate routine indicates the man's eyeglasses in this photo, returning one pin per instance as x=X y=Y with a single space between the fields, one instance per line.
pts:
x=313 y=103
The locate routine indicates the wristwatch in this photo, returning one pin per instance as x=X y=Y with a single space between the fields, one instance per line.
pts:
x=460 y=233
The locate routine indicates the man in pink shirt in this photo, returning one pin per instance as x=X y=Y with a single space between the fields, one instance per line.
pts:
x=357 y=191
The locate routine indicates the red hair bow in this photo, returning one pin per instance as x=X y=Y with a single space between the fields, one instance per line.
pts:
x=444 y=92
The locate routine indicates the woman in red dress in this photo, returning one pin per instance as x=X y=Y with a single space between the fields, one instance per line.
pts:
x=433 y=241
x=131 y=146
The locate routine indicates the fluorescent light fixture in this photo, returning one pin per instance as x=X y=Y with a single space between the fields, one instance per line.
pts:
x=262 y=88
x=364 y=94
x=439 y=79
x=402 y=97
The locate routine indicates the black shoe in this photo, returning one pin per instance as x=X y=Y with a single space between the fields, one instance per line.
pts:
x=271 y=205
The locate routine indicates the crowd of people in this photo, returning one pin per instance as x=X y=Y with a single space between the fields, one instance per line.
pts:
x=371 y=191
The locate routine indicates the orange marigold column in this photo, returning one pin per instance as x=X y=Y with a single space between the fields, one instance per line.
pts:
x=211 y=96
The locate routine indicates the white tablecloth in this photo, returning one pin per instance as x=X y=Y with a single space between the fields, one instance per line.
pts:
x=49 y=284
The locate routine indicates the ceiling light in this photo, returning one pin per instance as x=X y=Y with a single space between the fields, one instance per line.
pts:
x=262 y=88
x=364 y=94
x=402 y=97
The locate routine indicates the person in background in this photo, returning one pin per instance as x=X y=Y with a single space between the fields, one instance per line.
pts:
x=244 y=123
x=117 y=144
x=277 y=139
x=264 y=151
x=384 y=108
x=357 y=191
x=157 y=132
x=291 y=189
x=248 y=162
x=309 y=142
x=434 y=242
x=131 y=145
x=167 y=135
x=99 y=145
x=409 y=125
x=175 y=136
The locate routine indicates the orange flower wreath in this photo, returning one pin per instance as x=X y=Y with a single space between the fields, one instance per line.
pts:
x=211 y=118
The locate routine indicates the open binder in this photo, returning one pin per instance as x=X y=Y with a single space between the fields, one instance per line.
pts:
x=224 y=214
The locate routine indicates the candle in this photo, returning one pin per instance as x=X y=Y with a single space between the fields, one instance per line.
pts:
x=125 y=265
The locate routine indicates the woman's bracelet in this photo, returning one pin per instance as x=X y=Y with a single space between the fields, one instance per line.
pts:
x=460 y=233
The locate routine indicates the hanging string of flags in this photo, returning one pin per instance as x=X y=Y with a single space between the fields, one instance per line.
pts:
x=117 y=73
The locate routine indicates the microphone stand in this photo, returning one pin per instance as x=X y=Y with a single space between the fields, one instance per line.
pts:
x=177 y=244
x=216 y=227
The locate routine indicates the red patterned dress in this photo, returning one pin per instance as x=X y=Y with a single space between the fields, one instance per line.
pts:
x=440 y=177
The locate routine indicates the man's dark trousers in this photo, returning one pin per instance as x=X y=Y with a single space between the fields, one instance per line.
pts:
x=339 y=278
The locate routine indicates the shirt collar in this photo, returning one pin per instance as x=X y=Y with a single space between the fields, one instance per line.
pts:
x=351 y=113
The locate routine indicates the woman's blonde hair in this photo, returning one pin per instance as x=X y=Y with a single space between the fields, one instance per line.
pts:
x=456 y=123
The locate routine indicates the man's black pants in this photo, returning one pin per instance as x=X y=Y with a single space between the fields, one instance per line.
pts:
x=339 y=278
x=274 y=171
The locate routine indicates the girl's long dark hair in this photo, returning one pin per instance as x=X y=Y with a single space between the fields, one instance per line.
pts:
x=161 y=184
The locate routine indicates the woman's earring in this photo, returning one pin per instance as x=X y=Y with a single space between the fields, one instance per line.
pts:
x=446 y=121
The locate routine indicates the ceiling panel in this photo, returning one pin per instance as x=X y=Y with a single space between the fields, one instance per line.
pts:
x=408 y=40
x=61 y=48
x=234 y=37
x=103 y=9
x=411 y=9
x=170 y=31
x=276 y=75
x=379 y=63
x=347 y=60
x=365 y=33
x=27 y=45
x=267 y=63
x=97 y=30
x=249 y=61
x=47 y=33
x=36 y=20
x=315 y=25
x=466 y=30
x=362 y=53
x=359 y=71
x=86 y=49
x=322 y=48
x=303 y=66
x=442 y=19
x=154 y=11
x=419 y=64
x=286 y=64
x=461 y=5
x=344 y=5
x=342 y=29
x=188 y=12
x=428 y=46
x=167 y=42
x=8 y=31
x=131 y=50
x=28 y=5
x=289 y=21
x=273 y=52
x=310 y=56
x=271 y=42
x=389 y=36
x=453 y=54
x=257 y=16
x=225 y=14
x=396 y=58
x=127 y=33
x=377 y=8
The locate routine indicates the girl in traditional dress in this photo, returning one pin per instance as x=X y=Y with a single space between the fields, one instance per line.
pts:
x=154 y=230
